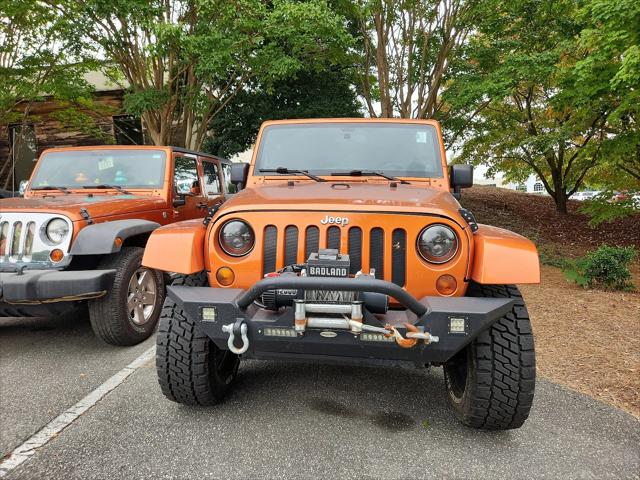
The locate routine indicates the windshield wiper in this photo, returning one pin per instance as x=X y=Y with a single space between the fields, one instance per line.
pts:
x=64 y=190
x=113 y=187
x=287 y=171
x=366 y=173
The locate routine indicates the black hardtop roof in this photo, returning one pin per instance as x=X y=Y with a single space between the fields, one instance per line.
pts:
x=201 y=154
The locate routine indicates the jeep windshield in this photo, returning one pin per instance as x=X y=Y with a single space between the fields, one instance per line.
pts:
x=394 y=149
x=102 y=168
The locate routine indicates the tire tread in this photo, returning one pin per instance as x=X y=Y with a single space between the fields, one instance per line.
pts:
x=505 y=358
x=182 y=352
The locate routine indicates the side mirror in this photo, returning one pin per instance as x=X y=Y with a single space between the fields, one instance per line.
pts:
x=23 y=187
x=460 y=176
x=239 y=173
x=178 y=197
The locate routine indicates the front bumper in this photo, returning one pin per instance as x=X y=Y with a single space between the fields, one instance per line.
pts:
x=35 y=287
x=433 y=315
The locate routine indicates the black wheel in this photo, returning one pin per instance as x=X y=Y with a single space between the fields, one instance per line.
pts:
x=191 y=369
x=490 y=384
x=129 y=312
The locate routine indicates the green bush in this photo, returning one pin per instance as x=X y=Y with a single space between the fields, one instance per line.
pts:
x=601 y=209
x=607 y=267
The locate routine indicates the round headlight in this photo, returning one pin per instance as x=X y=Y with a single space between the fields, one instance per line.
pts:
x=57 y=230
x=437 y=243
x=236 y=238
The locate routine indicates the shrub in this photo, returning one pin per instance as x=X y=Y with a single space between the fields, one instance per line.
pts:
x=607 y=267
x=602 y=209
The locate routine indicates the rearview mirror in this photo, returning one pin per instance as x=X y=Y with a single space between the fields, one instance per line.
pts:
x=460 y=176
x=239 y=173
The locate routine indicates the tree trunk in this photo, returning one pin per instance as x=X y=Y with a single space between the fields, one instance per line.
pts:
x=559 y=193
x=561 y=202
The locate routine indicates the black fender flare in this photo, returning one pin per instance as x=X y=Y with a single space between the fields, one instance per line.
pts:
x=100 y=238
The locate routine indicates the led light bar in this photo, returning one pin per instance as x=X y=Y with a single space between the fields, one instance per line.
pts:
x=375 y=337
x=280 y=332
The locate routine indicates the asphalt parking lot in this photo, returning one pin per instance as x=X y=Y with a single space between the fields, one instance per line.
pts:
x=282 y=421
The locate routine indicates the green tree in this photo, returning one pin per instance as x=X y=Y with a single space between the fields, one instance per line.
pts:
x=39 y=57
x=611 y=45
x=405 y=49
x=520 y=103
x=185 y=60
x=308 y=95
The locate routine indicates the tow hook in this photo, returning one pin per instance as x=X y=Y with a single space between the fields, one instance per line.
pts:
x=240 y=329
x=413 y=335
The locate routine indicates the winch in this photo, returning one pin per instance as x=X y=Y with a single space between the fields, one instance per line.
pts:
x=324 y=263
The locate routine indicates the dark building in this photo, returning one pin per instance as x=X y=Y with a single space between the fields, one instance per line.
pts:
x=21 y=144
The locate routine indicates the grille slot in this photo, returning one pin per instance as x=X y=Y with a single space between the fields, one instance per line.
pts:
x=15 y=239
x=290 y=245
x=399 y=257
x=4 y=233
x=333 y=238
x=376 y=251
x=28 y=241
x=269 y=249
x=312 y=242
x=355 y=249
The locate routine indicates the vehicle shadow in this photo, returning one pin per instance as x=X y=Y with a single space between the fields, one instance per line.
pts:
x=395 y=399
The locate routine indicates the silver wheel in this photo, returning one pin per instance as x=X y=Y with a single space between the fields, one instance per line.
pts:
x=141 y=296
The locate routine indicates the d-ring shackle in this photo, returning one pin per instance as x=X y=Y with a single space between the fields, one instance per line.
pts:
x=230 y=343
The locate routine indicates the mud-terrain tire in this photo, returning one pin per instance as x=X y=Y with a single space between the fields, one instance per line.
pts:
x=111 y=318
x=191 y=369
x=490 y=384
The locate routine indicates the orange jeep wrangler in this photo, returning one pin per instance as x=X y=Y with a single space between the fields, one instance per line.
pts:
x=346 y=244
x=78 y=235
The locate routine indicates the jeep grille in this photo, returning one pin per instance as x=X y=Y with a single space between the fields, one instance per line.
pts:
x=22 y=241
x=377 y=240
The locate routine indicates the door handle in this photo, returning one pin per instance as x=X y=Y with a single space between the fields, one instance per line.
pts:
x=202 y=206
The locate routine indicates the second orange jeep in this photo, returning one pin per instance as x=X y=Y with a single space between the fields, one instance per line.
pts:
x=346 y=243
x=77 y=236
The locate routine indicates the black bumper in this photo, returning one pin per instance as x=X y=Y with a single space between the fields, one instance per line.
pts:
x=34 y=287
x=431 y=314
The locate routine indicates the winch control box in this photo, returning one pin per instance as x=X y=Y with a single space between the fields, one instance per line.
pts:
x=328 y=263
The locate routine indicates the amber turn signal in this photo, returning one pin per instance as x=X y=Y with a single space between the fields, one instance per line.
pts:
x=118 y=242
x=56 y=255
x=446 y=285
x=225 y=276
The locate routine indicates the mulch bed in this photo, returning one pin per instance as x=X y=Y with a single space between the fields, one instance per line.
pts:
x=536 y=217
x=588 y=340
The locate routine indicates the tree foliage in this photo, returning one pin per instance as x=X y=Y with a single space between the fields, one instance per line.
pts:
x=522 y=104
x=405 y=49
x=39 y=57
x=611 y=43
x=308 y=95
x=185 y=60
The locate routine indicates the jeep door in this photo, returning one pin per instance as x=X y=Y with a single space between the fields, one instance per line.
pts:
x=189 y=201
x=211 y=181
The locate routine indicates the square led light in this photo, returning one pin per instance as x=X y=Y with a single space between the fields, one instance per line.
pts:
x=209 y=314
x=457 y=325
